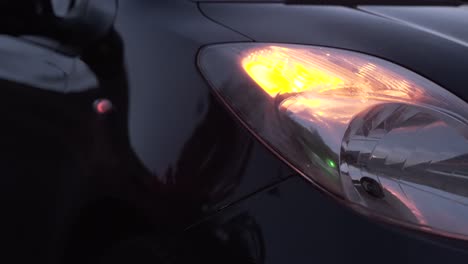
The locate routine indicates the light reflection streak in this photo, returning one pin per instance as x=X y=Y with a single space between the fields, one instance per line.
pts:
x=409 y=204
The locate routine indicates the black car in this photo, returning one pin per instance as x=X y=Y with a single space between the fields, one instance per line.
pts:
x=177 y=131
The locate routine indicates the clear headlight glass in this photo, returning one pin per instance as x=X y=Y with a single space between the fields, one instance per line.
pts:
x=385 y=140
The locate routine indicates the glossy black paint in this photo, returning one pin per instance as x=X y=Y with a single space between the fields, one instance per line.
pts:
x=76 y=183
x=292 y=223
x=79 y=187
x=193 y=150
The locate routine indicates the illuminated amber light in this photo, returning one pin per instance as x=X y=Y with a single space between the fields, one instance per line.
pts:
x=324 y=88
x=276 y=73
x=281 y=70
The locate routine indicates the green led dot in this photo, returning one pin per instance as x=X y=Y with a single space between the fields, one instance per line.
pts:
x=331 y=163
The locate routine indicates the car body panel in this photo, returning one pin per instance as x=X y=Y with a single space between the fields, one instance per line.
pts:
x=447 y=22
x=291 y=223
x=169 y=166
x=182 y=135
x=76 y=182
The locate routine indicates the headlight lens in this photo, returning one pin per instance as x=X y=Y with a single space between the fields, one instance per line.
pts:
x=387 y=141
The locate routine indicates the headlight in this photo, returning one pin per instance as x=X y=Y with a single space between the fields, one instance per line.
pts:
x=386 y=141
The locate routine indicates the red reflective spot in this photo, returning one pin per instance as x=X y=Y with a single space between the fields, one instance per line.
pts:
x=103 y=106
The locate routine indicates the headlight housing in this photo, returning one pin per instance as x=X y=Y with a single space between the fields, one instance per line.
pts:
x=383 y=139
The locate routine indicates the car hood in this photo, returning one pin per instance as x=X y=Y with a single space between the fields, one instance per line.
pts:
x=432 y=41
x=446 y=22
